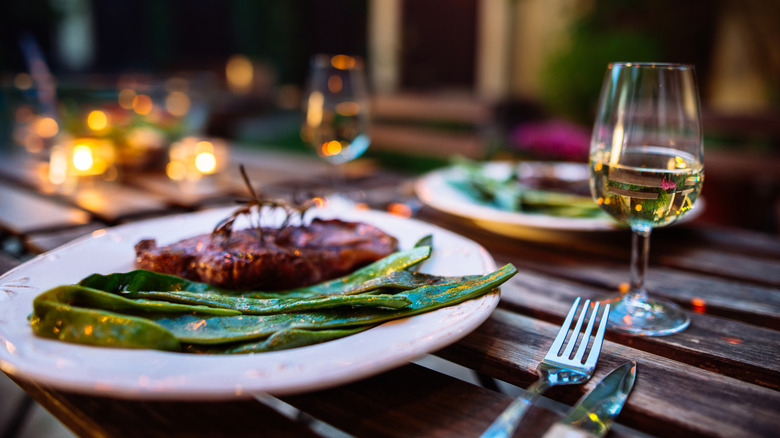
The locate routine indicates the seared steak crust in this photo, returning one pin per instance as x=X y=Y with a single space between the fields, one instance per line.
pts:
x=284 y=258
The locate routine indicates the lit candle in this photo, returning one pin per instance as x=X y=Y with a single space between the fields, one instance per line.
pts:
x=193 y=158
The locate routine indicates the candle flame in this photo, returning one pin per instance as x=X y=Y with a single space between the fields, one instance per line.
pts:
x=82 y=157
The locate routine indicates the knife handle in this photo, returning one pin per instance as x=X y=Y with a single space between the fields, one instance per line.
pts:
x=559 y=430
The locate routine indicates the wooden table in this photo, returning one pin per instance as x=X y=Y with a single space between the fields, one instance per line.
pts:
x=720 y=377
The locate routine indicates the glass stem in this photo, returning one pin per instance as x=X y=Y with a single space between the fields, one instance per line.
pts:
x=640 y=251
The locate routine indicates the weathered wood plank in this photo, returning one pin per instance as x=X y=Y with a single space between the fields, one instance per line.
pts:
x=111 y=202
x=24 y=211
x=100 y=417
x=747 y=302
x=420 y=403
x=413 y=401
x=669 y=398
x=48 y=240
x=743 y=351
x=733 y=240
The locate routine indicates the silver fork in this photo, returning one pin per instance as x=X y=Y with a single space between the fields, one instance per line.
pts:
x=558 y=367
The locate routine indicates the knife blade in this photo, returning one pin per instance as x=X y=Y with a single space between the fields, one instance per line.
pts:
x=594 y=413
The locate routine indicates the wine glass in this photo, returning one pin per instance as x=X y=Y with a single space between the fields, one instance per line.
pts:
x=336 y=112
x=646 y=170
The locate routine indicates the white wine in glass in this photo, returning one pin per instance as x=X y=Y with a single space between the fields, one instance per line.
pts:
x=646 y=171
x=336 y=111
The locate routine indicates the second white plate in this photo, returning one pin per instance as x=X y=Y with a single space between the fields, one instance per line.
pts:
x=436 y=190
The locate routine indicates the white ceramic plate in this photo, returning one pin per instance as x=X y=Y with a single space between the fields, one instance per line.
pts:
x=149 y=374
x=435 y=190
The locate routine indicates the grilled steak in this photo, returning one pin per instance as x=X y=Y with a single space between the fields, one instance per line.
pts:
x=284 y=258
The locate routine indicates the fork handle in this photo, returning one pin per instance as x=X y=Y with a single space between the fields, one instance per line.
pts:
x=504 y=426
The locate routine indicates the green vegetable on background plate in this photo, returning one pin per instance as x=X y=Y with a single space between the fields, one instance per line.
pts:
x=143 y=309
x=508 y=192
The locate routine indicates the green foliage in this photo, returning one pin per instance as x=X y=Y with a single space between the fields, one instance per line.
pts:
x=611 y=31
x=571 y=80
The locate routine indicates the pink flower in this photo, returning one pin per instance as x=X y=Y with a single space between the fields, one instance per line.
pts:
x=666 y=185
x=555 y=138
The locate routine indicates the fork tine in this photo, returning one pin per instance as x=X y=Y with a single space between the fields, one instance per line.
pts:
x=576 y=332
x=588 y=331
x=593 y=356
x=558 y=342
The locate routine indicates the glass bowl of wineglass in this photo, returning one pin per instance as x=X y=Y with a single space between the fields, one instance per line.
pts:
x=336 y=112
x=646 y=171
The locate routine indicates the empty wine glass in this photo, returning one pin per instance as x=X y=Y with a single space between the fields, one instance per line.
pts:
x=336 y=111
x=646 y=170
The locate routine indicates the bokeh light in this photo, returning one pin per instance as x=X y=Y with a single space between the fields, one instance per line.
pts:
x=97 y=120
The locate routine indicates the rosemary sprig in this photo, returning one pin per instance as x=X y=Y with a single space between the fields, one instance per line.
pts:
x=256 y=203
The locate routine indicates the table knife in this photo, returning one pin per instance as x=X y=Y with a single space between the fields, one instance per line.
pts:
x=594 y=413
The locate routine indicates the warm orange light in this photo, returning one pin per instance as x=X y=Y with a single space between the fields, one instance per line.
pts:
x=91 y=156
x=335 y=84
x=142 y=104
x=58 y=165
x=239 y=73
x=600 y=201
x=196 y=324
x=176 y=170
x=192 y=158
x=348 y=109
x=342 y=62
x=46 y=127
x=638 y=207
x=399 y=209
x=177 y=103
x=331 y=148
x=732 y=341
x=318 y=202
x=699 y=305
x=204 y=146
x=206 y=162
x=314 y=109
x=82 y=157
x=623 y=288
x=97 y=120
x=126 y=97
x=33 y=143
x=23 y=81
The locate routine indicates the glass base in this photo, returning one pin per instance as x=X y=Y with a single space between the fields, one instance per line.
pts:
x=647 y=318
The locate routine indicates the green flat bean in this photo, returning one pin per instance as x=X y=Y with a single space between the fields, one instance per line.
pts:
x=76 y=313
x=54 y=316
x=281 y=340
x=217 y=330
x=258 y=306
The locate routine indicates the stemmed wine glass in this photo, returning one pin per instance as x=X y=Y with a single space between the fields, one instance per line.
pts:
x=646 y=170
x=336 y=112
